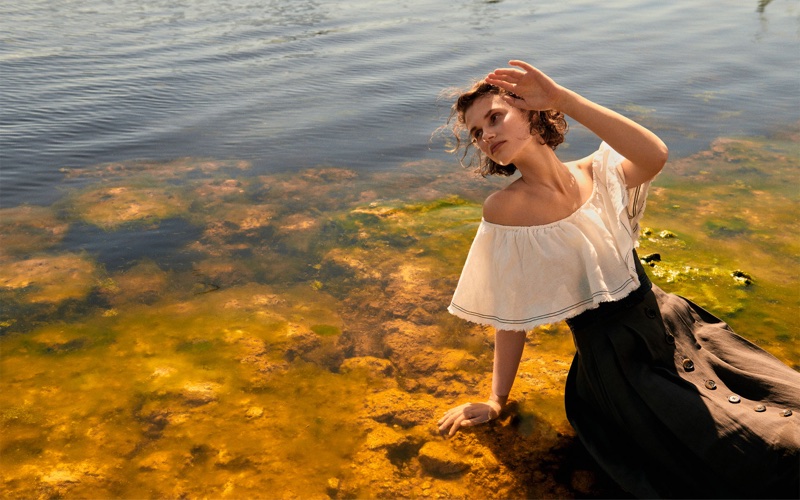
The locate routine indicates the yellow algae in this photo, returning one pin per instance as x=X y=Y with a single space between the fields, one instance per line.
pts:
x=319 y=189
x=232 y=227
x=29 y=228
x=226 y=219
x=299 y=232
x=298 y=222
x=354 y=260
x=49 y=278
x=218 y=188
x=303 y=347
x=109 y=207
x=144 y=282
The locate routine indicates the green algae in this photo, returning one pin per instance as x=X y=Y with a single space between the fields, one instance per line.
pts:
x=305 y=350
x=326 y=330
x=737 y=204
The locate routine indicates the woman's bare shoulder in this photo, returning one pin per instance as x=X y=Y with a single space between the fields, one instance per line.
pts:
x=500 y=206
x=515 y=205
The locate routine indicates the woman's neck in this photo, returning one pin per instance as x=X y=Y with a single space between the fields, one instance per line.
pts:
x=541 y=168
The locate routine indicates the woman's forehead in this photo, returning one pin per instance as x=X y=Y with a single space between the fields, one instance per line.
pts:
x=482 y=105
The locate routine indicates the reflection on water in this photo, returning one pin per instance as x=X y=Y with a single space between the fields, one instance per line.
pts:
x=286 y=335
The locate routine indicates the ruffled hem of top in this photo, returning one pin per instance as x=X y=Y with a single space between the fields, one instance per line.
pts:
x=511 y=325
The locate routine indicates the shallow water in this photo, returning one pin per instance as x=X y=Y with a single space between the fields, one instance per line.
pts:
x=208 y=292
x=289 y=335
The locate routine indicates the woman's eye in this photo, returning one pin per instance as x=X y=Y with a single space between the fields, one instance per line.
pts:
x=493 y=118
x=477 y=136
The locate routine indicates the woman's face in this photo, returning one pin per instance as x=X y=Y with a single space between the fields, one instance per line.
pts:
x=501 y=131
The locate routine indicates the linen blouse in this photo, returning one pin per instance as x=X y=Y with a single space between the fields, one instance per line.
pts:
x=519 y=277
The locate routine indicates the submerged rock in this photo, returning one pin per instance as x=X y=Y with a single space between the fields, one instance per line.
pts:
x=50 y=278
x=333 y=487
x=111 y=207
x=370 y=364
x=254 y=412
x=438 y=459
x=742 y=277
x=667 y=234
x=159 y=460
x=30 y=228
x=394 y=406
x=200 y=393
x=651 y=258
x=384 y=437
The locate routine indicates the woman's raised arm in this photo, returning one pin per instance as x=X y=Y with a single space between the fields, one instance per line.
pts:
x=644 y=152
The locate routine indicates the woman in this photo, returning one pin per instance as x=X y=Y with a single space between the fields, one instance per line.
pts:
x=667 y=398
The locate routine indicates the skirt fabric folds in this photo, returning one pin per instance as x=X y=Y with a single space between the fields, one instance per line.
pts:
x=672 y=403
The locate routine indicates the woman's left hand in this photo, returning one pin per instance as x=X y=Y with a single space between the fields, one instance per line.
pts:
x=535 y=90
x=467 y=415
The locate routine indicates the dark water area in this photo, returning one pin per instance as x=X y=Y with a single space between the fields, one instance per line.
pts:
x=288 y=85
x=120 y=250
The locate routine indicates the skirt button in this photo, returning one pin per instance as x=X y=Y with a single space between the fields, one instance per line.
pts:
x=650 y=312
x=734 y=398
x=786 y=413
x=760 y=408
x=688 y=364
x=669 y=338
x=710 y=384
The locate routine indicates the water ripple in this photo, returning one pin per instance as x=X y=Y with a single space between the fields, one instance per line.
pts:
x=288 y=84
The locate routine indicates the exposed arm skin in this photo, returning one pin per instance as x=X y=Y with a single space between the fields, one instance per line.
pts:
x=645 y=153
x=507 y=354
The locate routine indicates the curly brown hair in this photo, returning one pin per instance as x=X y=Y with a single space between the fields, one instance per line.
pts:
x=551 y=127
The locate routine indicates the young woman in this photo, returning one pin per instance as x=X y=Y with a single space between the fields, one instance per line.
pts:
x=667 y=398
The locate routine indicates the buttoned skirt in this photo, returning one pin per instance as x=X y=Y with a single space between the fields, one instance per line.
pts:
x=673 y=404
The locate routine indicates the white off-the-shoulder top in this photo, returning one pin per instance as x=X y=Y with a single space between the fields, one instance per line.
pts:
x=519 y=277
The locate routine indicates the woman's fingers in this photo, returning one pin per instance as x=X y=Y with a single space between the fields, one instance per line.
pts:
x=452 y=419
x=521 y=64
x=452 y=412
x=513 y=74
x=502 y=84
x=466 y=415
x=456 y=425
x=510 y=74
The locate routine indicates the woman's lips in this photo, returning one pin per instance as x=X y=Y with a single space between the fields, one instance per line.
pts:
x=496 y=146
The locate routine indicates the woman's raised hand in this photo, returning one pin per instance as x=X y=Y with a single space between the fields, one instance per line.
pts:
x=535 y=90
x=467 y=415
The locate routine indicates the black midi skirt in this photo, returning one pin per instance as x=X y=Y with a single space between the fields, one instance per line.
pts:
x=673 y=404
